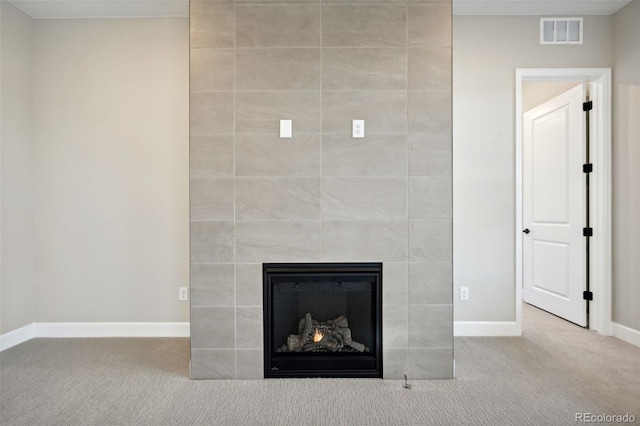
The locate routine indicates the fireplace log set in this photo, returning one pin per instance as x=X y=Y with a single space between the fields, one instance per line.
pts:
x=327 y=336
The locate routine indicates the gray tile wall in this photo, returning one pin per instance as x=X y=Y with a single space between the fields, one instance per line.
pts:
x=320 y=196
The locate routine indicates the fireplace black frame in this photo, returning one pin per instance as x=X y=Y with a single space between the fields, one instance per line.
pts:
x=365 y=365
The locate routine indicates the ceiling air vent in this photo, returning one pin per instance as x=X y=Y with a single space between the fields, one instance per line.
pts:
x=561 y=31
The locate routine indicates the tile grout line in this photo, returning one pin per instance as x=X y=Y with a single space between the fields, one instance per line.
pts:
x=235 y=245
x=407 y=171
x=321 y=144
x=190 y=292
x=258 y=90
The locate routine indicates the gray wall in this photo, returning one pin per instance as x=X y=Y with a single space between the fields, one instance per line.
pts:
x=487 y=51
x=94 y=169
x=320 y=196
x=110 y=130
x=626 y=166
x=17 y=286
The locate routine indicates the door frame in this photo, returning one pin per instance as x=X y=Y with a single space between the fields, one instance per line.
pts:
x=600 y=188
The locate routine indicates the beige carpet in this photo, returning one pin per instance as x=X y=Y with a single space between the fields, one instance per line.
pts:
x=555 y=370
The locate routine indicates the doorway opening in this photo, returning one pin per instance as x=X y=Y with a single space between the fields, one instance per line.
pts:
x=599 y=270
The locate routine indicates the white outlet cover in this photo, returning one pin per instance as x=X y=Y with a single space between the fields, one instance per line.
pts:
x=183 y=293
x=464 y=293
x=358 y=129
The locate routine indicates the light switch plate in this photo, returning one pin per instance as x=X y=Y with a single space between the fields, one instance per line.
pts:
x=358 y=129
x=286 y=129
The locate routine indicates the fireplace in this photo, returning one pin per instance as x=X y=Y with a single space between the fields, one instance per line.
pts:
x=322 y=319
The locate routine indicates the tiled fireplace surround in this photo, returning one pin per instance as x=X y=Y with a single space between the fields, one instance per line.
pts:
x=320 y=196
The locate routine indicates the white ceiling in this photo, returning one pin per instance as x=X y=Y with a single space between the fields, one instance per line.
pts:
x=537 y=7
x=155 y=8
x=102 y=8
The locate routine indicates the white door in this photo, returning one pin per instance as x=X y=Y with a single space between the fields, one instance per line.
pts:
x=554 y=206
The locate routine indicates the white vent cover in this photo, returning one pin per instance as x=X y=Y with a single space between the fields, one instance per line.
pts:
x=560 y=30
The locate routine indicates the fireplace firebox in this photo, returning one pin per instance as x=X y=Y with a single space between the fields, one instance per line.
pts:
x=322 y=319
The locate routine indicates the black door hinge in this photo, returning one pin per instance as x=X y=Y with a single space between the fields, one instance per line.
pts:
x=587 y=295
x=587 y=168
x=587 y=106
x=587 y=232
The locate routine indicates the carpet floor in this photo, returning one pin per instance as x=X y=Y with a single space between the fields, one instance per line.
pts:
x=552 y=372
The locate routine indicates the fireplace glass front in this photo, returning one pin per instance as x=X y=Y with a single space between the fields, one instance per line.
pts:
x=323 y=320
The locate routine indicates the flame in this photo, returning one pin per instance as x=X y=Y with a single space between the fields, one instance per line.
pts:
x=317 y=336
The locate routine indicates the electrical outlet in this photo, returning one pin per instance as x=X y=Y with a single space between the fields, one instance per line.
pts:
x=358 y=129
x=464 y=293
x=182 y=293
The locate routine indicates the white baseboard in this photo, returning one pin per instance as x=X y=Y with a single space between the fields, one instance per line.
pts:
x=627 y=334
x=17 y=336
x=112 y=329
x=486 y=328
x=93 y=329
